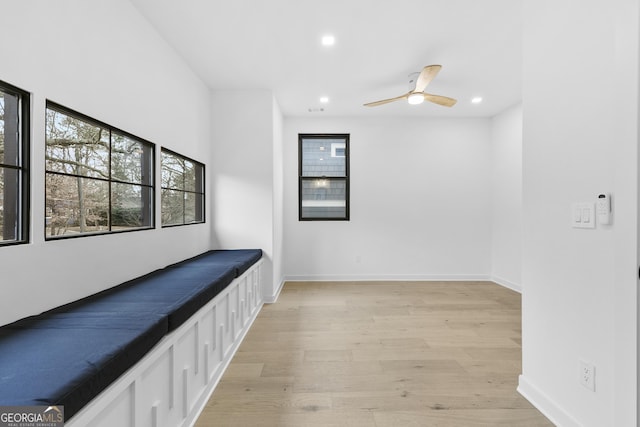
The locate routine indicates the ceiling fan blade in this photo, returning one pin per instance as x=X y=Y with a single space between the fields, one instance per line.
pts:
x=426 y=75
x=386 y=101
x=440 y=100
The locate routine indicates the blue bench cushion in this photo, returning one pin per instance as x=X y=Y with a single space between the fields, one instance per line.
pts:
x=173 y=293
x=69 y=359
x=68 y=355
x=240 y=259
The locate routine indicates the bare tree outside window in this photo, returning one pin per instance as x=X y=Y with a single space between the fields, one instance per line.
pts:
x=98 y=179
x=182 y=190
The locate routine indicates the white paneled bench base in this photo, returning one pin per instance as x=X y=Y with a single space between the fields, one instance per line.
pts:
x=172 y=383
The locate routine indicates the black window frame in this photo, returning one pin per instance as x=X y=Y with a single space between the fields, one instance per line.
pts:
x=149 y=161
x=302 y=178
x=202 y=192
x=22 y=146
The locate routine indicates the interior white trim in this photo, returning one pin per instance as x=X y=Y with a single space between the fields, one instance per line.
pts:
x=388 y=277
x=545 y=404
x=270 y=299
x=507 y=284
x=174 y=381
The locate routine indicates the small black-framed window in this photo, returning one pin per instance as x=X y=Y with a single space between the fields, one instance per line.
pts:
x=323 y=172
x=14 y=163
x=182 y=190
x=98 y=179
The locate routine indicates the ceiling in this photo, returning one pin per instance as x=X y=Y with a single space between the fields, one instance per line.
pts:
x=275 y=45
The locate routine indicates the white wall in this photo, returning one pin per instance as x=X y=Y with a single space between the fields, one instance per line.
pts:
x=580 y=124
x=420 y=202
x=278 y=203
x=244 y=124
x=104 y=60
x=506 y=185
x=626 y=74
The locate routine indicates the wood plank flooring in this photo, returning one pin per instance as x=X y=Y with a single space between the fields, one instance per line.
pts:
x=379 y=354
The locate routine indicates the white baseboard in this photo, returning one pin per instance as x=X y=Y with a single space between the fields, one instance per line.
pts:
x=393 y=278
x=388 y=277
x=507 y=284
x=545 y=405
x=270 y=299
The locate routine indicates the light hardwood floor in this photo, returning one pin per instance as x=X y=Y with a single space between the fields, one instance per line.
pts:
x=378 y=354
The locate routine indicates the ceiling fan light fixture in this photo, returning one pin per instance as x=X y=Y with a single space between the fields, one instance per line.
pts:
x=415 y=98
x=417 y=95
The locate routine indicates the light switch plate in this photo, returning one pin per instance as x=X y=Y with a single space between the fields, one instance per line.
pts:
x=583 y=215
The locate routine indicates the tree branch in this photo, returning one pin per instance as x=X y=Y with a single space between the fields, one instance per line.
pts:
x=74 y=163
x=62 y=142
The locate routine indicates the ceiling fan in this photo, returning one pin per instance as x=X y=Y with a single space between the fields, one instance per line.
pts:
x=418 y=95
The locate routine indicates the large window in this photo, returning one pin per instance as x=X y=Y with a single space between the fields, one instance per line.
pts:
x=14 y=158
x=323 y=177
x=98 y=179
x=182 y=190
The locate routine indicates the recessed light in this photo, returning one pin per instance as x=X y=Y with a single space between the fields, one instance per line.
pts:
x=328 y=40
x=476 y=100
x=324 y=99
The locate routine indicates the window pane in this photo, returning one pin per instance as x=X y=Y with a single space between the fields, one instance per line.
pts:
x=323 y=157
x=172 y=171
x=76 y=147
x=199 y=179
x=182 y=190
x=9 y=204
x=193 y=208
x=130 y=206
x=76 y=205
x=172 y=207
x=127 y=159
x=14 y=143
x=189 y=176
x=2 y=114
x=9 y=129
x=3 y=205
x=324 y=198
x=98 y=179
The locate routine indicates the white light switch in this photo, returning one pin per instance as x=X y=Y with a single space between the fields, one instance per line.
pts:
x=583 y=215
x=577 y=215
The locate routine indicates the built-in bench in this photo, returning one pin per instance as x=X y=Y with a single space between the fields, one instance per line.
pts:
x=73 y=353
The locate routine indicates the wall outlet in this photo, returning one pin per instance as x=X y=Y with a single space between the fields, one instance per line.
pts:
x=588 y=375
